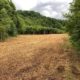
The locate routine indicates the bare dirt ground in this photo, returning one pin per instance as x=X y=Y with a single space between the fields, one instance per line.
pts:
x=38 y=57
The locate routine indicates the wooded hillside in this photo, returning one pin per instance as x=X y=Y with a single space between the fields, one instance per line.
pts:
x=13 y=22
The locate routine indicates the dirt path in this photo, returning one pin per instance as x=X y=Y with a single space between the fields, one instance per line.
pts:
x=34 y=57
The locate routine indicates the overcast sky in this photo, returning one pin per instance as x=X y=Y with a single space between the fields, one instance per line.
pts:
x=50 y=8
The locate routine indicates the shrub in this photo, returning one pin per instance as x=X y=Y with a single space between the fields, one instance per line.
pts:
x=13 y=30
x=3 y=33
x=74 y=23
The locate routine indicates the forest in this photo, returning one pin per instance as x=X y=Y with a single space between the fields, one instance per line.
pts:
x=14 y=22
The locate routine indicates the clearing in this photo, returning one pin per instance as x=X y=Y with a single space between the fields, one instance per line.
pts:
x=38 y=57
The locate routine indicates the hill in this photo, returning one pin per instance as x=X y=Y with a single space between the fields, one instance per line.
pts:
x=13 y=22
x=36 y=21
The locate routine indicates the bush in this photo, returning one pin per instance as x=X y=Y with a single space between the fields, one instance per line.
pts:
x=40 y=30
x=74 y=23
x=3 y=33
x=13 y=30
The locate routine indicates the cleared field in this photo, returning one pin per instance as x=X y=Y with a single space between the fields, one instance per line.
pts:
x=37 y=57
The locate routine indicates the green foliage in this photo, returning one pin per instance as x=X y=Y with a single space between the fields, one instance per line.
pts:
x=39 y=30
x=42 y=24
x=74 y=23
x=7 y=22
x=3 y=33
x=13 y=22
x=13 y=30
x=21 y=24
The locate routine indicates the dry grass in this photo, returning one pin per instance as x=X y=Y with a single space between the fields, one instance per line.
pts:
x=37 y=57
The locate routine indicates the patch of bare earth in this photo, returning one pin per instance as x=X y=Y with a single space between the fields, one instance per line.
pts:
x=37 y=57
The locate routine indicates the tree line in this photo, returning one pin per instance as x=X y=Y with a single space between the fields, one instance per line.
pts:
x=13 y=22
x=73 y=23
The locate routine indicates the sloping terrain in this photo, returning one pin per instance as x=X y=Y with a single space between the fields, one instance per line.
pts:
x=38 y=57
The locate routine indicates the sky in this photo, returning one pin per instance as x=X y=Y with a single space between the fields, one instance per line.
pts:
x=49 y=8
